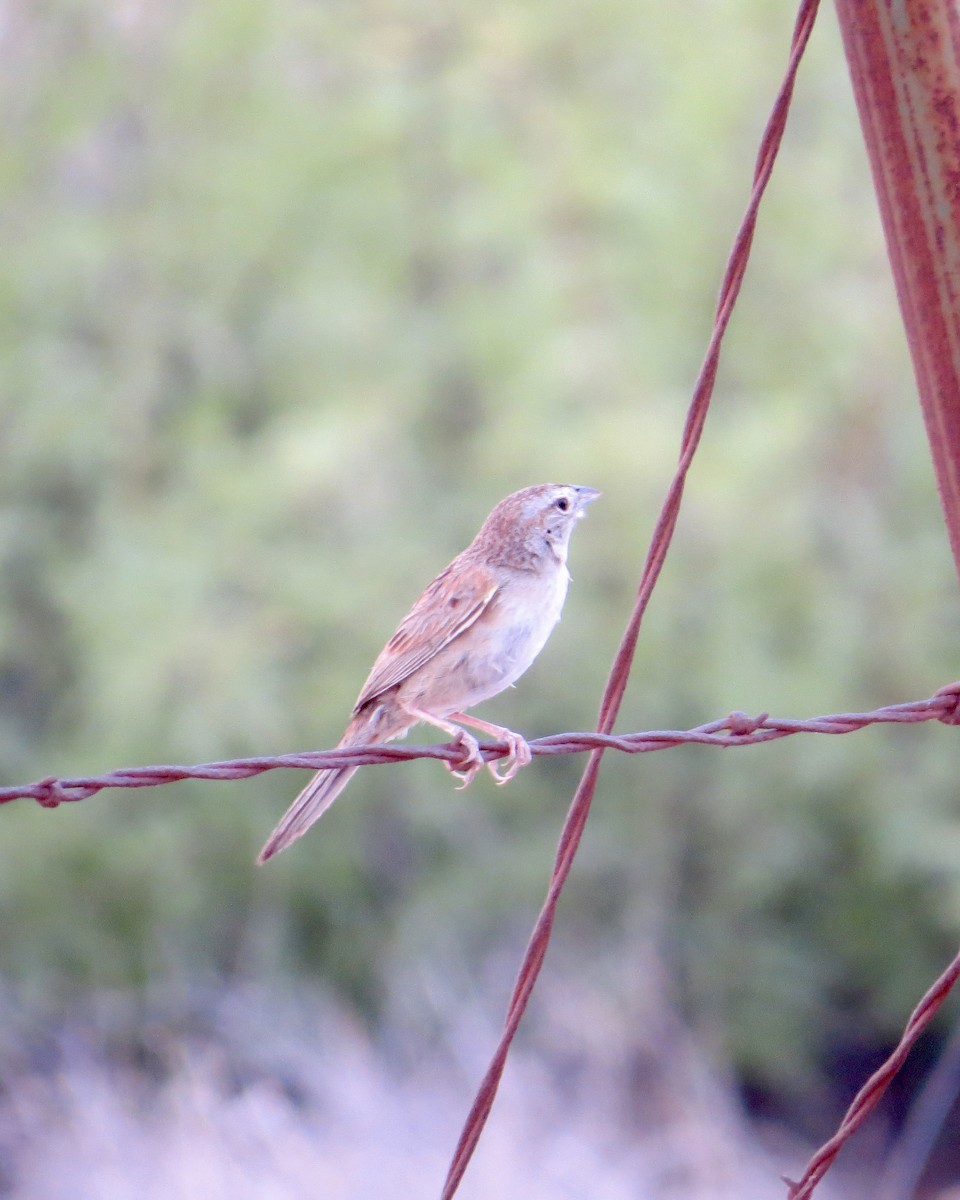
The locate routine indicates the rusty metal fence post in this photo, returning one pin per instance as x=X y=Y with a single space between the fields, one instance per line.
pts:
x=904 y=58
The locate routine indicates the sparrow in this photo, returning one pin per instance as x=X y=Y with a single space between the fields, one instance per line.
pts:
x=472 y=633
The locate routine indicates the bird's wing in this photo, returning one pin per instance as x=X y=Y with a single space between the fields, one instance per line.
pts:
x=451 y=604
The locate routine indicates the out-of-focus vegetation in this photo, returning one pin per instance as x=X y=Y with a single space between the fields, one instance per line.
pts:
x=290 y=295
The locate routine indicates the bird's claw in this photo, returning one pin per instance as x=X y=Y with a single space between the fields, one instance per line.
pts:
x=466 y=768
x=519 y=756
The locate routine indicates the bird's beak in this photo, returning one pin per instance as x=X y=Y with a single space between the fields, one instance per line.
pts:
x=585 y=496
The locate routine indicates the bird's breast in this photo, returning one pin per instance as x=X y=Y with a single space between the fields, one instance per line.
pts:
x=520 y=620
x=496 y=649
x=529 y=611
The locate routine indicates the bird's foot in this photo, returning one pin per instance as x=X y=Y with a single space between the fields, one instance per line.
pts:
x=520 y=755
x=467 y=767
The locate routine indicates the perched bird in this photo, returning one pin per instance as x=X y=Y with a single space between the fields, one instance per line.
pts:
x=472 y=633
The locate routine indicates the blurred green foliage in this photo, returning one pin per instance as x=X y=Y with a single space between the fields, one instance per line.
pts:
x=291 y=295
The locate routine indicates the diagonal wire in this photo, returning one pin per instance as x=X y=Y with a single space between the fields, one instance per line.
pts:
x=872 y=1091
x=616 y=684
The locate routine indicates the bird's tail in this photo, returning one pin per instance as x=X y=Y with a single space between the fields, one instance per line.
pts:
x=380 y=725
x=312 y=803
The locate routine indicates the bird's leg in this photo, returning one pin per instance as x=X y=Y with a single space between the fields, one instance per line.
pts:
x=519 y=754
x=472 y=760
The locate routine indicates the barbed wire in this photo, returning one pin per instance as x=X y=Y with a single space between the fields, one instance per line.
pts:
x=735 y=729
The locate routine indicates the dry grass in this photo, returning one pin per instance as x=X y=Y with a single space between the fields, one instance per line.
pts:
x=270 y=1099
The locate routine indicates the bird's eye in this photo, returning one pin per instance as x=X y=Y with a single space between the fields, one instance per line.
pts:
x=563 y=504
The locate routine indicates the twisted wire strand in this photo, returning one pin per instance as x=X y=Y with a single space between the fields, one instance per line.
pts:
x=579 y=810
